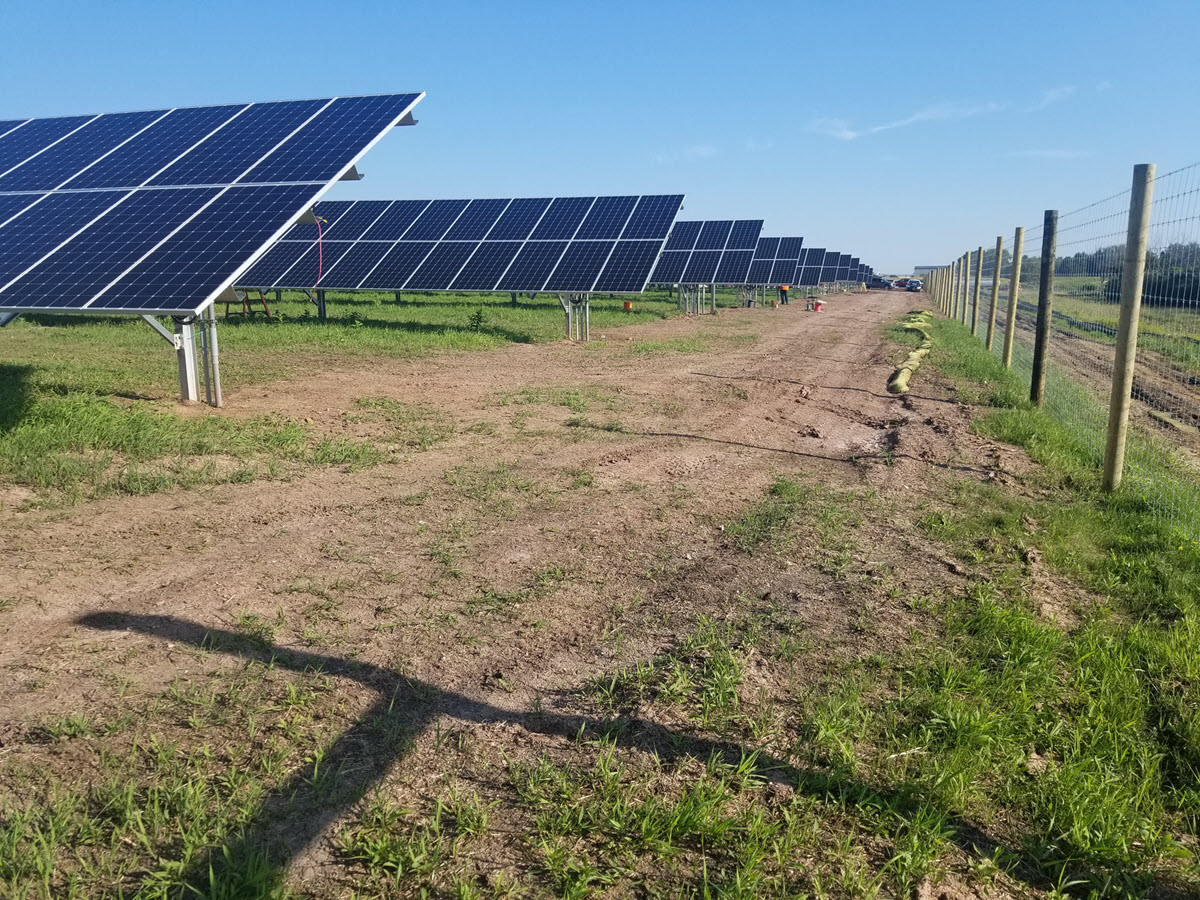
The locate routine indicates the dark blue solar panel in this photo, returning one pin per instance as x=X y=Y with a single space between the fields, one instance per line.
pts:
x=606 y=219
x=201 y=257
x=844 y=261
x=355 y=222
x=519 y=219
x=478 y=219
x=653 y=216
x=815 y=257
x=629 y=266
x=272 y=265
x=257 y=130
x=714 y=235
x=831 y=258
x=809 y=275
x=24 y=142
x=580 y=266
x=144 y=154
x=735 y=264
x=828 y=274
x=328 y=211
x=760 y=271
x=670 y=267
x=58 y=163
x=396 y=267
x=789 y=248
x=784 y=271
x=327 y=144
x=397 y=220
x=11 y=125
x=11 y=204
x=768 y=248
x=440 y=267
x=436 y=220
x=484 y=269
x=353 y=267
x=38 y=230
x=702 y=267
x=744 y=235
x=683 y=236
x=532 y=266
x=562 y=219
x=76 y=272
x=854 y=262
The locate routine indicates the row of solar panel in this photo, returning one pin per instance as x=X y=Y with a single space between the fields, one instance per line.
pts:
x=725 y=234
x=527 y=218
x=292 y=141
x=574 y=266
x=155 y=211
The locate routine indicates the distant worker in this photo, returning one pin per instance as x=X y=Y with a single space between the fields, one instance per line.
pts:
x=783 y=294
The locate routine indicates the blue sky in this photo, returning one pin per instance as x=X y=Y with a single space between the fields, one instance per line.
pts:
x=899 y=132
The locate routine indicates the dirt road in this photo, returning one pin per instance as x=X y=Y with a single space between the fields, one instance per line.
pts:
x=567 y=513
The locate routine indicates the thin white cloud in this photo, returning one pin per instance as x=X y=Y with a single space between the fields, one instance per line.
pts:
x=1052 y=96
x=1050 y=154
x=1103 y=86
x=840 y=128
x=756 y=146
x=690 y=153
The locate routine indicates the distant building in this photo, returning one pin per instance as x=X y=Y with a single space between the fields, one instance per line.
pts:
x=922 y=271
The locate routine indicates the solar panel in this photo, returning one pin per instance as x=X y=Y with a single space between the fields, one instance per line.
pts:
x=567 y=244
x=776 y=260
x=714 y=252
x=809 y=273
x=158 y=211
x=843 y=267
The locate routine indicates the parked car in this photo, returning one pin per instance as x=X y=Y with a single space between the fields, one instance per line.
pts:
x=875 y=283
x=913 y=285
x=901 y=282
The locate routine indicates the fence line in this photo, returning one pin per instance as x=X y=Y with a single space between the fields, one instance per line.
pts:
x=1060 y=313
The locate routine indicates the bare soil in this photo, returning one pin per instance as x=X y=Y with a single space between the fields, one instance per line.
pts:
x=572 y=521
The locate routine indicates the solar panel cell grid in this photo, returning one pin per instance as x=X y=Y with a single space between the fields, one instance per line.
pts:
x=34 y=137
x=55 y=165
x=652 y=217
x=441 y=266
x=483 y=270
x=476 y=221
x=519 y=219
x=626 y=268
x=702 y=267
x=353 y=266
x=734 y=268
x=390 y=226
x=199 y=257
x=101 y=252
x=144 y=154
x=436 y=220
x=744 y=235
x=532 y=265
x=670 y=267
x=789 y=248
x=580 y=266
x=768 y=248
x=353 y=224
x=606 y=219
x=562 y=219
x=683 y=236
x=714 y=235
x=395 y=268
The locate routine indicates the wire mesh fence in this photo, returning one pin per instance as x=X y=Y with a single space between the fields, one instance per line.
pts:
x=1083 y=296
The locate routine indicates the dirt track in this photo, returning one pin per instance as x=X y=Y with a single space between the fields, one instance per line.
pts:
x=498 y=565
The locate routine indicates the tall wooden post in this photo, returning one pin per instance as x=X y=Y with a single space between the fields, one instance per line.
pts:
x=975 y=300
x=1041 y=344
x=991 y=325
x=1132 y=273
x=1014 y=286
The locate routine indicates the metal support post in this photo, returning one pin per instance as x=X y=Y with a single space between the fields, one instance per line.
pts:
x=185 y=343
x=321 y=305
x=1132 y=273
x=1014 y=286
x=399 y=298
x=1041 y=344
x=204 y=357
x=991 y=325
x=978 y=283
